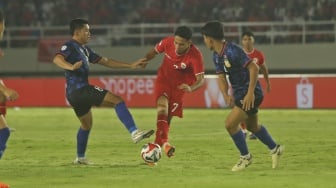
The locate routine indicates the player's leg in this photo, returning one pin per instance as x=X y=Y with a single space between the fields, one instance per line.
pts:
x=236 y=116
x=83 y=136
x=3 y=107
x=4 y=135
x=162 y=125
x=4 y=130
x=243 y=127
x=262 y=134
x=124 y=115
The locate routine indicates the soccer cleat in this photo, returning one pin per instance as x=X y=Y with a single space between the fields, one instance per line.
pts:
x=276 y=154
x=242 y=164
x=81 y=161
x=168 y=149
x=3 y=185
x=137 y=136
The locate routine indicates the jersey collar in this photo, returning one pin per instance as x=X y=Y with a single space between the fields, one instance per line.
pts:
x=223 y=49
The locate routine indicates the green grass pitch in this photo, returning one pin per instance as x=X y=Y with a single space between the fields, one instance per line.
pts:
x=41 y=150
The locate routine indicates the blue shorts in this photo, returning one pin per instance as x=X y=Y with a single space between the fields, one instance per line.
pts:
x=257 y=102
x=84 y=98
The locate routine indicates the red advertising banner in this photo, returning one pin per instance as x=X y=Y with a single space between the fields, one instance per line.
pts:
x=289 y=91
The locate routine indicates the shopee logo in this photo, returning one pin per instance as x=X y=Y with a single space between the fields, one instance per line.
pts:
x=128 y=86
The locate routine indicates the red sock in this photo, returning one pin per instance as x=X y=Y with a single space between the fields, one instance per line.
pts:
x=243 y=126
x=3 y=108
x=162 y=130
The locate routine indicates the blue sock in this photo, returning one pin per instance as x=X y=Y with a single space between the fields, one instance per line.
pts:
x=4 y=135
x=82 y=140
x=125 y=117
x=265 y=137
x=239 y=140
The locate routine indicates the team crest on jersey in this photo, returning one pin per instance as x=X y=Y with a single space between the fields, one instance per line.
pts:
x=183 y=65
x=227 y=63
x=64 y=47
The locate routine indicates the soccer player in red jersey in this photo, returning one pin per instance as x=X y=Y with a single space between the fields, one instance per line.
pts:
x=182 y=71
x=5 y=94
x=258 y=57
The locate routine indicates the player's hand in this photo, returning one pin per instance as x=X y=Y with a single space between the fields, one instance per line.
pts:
x=11 y=94
x=268 y=88
x=248 y=101
x=228 y=100
x=139 y=64
x=77 y=65
x=185 y=87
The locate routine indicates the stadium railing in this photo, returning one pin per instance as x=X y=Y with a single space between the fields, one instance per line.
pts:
x=271 y=33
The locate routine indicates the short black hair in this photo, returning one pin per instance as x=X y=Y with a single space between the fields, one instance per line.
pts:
x=2 y=16
x=213 y=29
x=248 y=33
x=77 y=23
x=184 y=32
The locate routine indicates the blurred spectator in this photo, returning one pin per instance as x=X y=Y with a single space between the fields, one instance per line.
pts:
x=102 y=12
x=49 y=12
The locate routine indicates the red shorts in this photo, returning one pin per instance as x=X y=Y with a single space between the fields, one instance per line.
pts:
x=174 y=96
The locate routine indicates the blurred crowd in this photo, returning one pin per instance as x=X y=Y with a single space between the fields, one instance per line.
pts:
x=59 y=12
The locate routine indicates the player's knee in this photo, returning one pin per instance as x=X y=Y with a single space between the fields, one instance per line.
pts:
x=86 y=127
x=162 y=109
x=253 y=128
x=111 y=98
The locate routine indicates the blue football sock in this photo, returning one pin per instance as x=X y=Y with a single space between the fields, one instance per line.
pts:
x=125 y=117
x=265 y=138
x=82 y=140
x=4 y=135
x=239 y=140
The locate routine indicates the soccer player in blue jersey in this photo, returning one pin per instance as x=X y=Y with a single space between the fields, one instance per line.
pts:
x=75 y=58
x=231 y=60
x=5 y=94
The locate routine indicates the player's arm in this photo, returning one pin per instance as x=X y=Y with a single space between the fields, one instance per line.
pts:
x=112 y=63
x=197 y=84
x=224 y=88
x=62 y=63
x=248 y=101
x=9 y=93
x=264 y=70
x=149 y=56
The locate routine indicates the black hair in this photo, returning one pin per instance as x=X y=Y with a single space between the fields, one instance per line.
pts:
x=77 y=23
x=213 y=29
x=2 y=16
x=184 y=32
x=247 y=33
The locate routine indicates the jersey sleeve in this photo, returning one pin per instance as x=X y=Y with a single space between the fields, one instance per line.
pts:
x=93 y=56
x=198 y=63
x=161 y=46
x=65 y=50
x=261 y=58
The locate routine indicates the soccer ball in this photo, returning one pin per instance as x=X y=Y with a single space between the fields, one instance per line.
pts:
x=151 y=153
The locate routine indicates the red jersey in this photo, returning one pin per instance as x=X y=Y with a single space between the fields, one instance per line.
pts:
x=257 y=56
x=177 y=69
